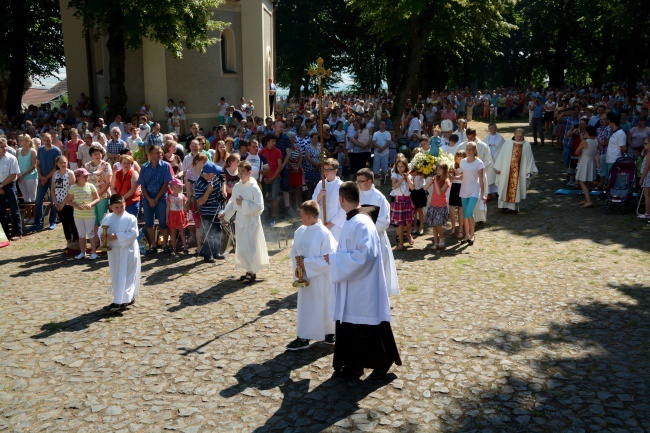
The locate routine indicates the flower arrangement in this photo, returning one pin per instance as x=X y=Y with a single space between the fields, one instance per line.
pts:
x=423 y=163
x=444 y=158
x=426 y=164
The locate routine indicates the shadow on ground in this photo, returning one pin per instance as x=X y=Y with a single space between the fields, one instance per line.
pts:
x=606 y=385
x=272 y=306
x=303 y=410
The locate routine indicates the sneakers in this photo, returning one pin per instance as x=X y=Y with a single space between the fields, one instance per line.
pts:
x=298 y=344
x=52 y=226
x=272 y=222
x=329 y=339
x=441 y=245
x=82 y=255
x=643 y=216
x=93 y=256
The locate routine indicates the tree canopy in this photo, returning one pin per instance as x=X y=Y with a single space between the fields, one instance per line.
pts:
x=176 y=24
x=417 y=45
x=30 y=45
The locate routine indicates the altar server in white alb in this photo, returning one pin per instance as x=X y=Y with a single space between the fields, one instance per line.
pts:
x=364 y=338
x=369 y=195
x=246 y=200
x=124 y=256
x=311 y=242
x=335 y=215
x=494 y=140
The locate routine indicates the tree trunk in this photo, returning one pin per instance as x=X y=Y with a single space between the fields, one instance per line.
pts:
x=558 y=62
x=18 y=66
x=296 y=84
x=419 y=31
x=116 y=47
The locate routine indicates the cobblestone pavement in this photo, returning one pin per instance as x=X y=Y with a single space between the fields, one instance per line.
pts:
x=542 y=325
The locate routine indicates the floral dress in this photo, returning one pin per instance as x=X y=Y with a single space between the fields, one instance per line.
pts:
x=99 y=176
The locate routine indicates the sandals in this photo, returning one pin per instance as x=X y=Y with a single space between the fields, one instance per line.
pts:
x=460 y=235
x=400 y=247
x=411 y=241
x=434 y=247
x=249 y=278
x=590 y=204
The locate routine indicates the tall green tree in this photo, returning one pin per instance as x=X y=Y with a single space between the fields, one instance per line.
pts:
x=31 y=44
x=412 y=29
x=176 y=24
x=306 y=30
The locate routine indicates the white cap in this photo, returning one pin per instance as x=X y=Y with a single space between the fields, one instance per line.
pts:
x=446 y=125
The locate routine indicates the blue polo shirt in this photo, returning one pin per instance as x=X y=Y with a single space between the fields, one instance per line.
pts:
x=46 y=158
x=153 y=178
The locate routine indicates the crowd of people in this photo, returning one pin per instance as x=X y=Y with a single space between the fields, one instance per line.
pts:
x=211 y=187
x=162 y=170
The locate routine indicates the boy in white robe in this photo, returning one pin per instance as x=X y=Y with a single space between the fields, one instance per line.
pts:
x=335 y=215
x=369 y=195
x=310 y=243
x=124 y=256
x=364 y=338
x=251 y=253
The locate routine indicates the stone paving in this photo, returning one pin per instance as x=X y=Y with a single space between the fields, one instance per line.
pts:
x=541 y=326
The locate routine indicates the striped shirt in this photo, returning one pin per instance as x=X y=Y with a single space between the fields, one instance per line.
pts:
x=216 y=202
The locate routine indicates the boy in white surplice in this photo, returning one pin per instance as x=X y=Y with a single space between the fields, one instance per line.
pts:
x=124 y=256
x=311 y=242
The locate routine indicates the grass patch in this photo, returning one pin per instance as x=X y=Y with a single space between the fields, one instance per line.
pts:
x=412 y=288
x=463 y=262
x=274 y=291
x=596 y=272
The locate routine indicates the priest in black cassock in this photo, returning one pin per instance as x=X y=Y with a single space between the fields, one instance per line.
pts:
x=364 y=338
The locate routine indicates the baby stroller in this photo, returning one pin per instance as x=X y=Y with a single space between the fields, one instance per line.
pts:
x=620 y=182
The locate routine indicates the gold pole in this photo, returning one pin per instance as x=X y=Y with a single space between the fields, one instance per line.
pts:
x=320 y=72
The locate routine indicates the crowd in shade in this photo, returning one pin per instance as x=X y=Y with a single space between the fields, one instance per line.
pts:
x=175 y=177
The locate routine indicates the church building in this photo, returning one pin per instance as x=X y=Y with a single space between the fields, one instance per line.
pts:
x=238 y=65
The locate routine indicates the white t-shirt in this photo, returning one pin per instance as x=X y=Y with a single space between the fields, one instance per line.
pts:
x=182 y=112
x=256 y=163
x=403 y=188
x=145 y=130
x=616 y=141
x=381 y=138
x=414 y=127
x=223 y=109
x=470 y=186
x=449 y=149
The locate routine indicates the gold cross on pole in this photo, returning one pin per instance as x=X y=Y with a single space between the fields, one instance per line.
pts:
x=320 y=72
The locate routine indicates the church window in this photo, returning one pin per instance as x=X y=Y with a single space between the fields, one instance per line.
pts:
x=228 y=65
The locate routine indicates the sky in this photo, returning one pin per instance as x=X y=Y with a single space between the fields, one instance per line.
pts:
x=60 y=75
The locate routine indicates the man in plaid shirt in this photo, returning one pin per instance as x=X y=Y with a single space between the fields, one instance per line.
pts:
x=155 y=138
x=115 y=145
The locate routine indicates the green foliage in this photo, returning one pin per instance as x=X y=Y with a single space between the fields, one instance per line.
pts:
x=43 y=39
x=176 y=24
x=30 y=44
x=306 y=30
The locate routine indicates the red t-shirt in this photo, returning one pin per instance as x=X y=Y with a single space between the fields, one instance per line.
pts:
x=71 y=149
x=272 y=156
x=440 y=200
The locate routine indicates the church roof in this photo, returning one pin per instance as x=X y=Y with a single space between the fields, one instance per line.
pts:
x=40 y=95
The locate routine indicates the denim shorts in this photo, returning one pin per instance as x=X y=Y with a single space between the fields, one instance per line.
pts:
x=284 y=180
x=160 y=211
x=273 y=188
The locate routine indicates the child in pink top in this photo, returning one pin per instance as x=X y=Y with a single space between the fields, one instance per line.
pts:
x=176 y=215
x=438 y=211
